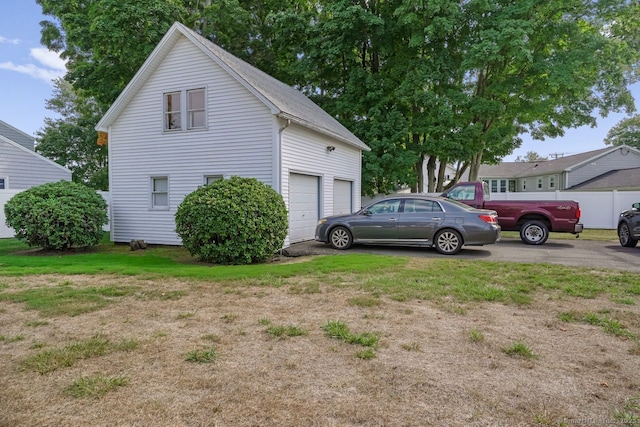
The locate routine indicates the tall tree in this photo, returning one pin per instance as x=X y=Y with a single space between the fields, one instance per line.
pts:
x=71 y=139
x=627 y=132
x=530 y=157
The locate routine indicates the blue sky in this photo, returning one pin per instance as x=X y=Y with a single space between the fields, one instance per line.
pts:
x=27 y=69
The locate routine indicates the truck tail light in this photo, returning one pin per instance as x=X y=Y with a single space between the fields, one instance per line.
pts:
x=491 y=219
x=578 y=213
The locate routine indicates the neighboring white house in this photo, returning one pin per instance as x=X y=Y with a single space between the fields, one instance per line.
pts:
x=612 y=168
x=194 y=113
x=21 y=167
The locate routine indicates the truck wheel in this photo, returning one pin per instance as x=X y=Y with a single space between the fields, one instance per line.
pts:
x=624 y=235
x=534 y=232
x=340 y=238
x=448 y=242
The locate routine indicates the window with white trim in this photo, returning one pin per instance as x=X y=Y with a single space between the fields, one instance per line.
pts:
x=524 y=184
x=159 y=192
x=195 y=108
x=552 y=182
x=185 y=109
x=210 y=179
x=539 y=183
x=172 y=111
x=3 y=184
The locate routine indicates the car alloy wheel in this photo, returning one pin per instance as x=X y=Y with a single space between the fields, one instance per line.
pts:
x=448 y=242
x=624 y=235
x=340 y=238
x=534 y=233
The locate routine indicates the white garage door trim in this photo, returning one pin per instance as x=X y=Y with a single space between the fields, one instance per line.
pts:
x=342 y=197
x=304 y=206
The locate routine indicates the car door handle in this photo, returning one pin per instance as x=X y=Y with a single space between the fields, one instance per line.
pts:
x=436 y=218
x=393 y=219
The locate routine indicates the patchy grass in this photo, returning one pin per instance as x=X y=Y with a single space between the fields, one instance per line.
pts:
x=95 y=386
x=520 y=349
x=50 y=360
x=202 y=356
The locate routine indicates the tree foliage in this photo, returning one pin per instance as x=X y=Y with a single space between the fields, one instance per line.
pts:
x=627 y=132
x=233 y=221
x=531 y=157
x=71 y=139
x=437 y=81
x=58 y=215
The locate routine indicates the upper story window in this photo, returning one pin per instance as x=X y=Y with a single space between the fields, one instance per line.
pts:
x=185 y=110
x=195 y=106
x=159 y=192
x=552 y=182
x=172 y=110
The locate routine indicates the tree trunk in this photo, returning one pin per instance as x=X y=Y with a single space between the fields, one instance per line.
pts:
x=474 y=168
x=431 y=174
x=441 y=176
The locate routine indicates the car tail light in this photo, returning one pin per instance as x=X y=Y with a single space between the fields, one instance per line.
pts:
x=578 y=213
x=491 y=219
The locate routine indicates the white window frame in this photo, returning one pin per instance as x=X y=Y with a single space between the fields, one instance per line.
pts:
x=167 y=115
x=211 y=178
x=153 y=192
x=552 y=182
x=186 y=112
x=191 y=111
x=4 y=183
x=539 y=183
x=524 y=184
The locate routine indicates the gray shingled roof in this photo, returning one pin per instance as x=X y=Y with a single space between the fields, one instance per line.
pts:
x=16 y=135
x=545 y=167
x=285 y=101
x=623 y=179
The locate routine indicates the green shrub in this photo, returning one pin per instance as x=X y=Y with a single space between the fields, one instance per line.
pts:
x=58 y=215
x=232 y=221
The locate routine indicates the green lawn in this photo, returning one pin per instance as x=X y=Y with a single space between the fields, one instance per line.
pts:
x=400 y=278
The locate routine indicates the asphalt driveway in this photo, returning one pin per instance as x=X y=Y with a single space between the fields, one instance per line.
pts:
x=577 y=252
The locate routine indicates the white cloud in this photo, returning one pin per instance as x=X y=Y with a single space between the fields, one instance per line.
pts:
x=50 y=68
x=10 y=41
x=48 y=58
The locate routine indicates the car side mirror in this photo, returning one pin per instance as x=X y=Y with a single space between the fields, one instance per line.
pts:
x=365 y=212
x=636 y=205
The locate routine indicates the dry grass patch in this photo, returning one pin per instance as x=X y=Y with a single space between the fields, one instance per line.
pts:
x=427 y=367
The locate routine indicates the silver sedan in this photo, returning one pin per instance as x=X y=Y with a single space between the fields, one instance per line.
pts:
x=412 y=220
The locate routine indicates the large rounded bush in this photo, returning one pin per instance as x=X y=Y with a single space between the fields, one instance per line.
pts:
x=232 y=221
x=58 y=215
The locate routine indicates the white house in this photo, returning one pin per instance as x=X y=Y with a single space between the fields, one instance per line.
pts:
x=194 y=113
x=21 y=167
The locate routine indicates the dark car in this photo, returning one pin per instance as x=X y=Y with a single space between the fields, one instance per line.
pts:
x=629 y=226
x=412 y=220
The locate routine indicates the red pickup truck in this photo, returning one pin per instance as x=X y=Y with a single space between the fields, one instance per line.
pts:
x=532 y=218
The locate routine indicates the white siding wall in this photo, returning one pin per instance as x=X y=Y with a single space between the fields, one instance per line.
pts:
x=612 y=161
x=305 y=151
x=239 y=140
x=24 y=169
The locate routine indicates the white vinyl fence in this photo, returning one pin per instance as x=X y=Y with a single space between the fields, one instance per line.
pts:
x=6 y=195
x=600 y=209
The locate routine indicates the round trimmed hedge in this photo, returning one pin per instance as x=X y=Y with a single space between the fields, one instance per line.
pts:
x=233 y=221
x=57 y=215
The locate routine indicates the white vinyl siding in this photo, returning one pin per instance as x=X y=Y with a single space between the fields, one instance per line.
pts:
x=238 y=139
x=22 y=168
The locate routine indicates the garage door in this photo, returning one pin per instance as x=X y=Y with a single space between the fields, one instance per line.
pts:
x=304 y=207
x=342 y=197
